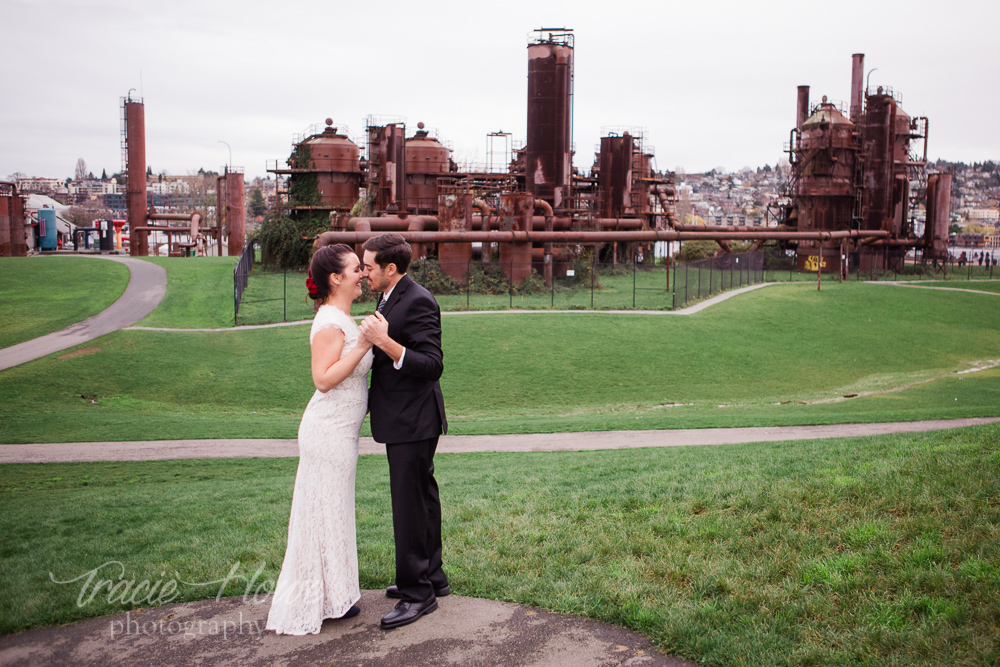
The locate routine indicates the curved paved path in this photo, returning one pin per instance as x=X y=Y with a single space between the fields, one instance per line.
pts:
x=909 y=283
x=462 y=632
x=146 y=286
x=159 y=450
x=690 y=310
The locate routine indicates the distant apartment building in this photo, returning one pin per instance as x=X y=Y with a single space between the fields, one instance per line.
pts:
x=42 y=186
x=979 y=216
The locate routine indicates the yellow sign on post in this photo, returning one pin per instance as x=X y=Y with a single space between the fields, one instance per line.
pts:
x=813 y=263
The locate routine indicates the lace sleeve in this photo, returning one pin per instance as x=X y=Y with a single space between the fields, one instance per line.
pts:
x=325 y=318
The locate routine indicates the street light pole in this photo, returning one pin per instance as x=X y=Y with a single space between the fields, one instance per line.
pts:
x=228 y=166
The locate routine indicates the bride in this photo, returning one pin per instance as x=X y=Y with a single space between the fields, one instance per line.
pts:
x=319 y=576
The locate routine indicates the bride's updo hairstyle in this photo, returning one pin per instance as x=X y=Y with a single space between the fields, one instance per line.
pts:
x=327 y=261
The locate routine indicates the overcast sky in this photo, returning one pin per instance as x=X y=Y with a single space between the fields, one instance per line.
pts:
x=712 y=83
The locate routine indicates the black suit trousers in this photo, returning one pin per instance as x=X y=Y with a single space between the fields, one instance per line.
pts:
x=416 y=519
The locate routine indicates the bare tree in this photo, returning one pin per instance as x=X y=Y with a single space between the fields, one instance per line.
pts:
x=86 y=213
x=81 y=169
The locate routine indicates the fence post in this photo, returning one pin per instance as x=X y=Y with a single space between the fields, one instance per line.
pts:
x=593 y=277
x=510 y=289
x=687 y=281
x=711 y=277
x=634 y=265
x=468 y=285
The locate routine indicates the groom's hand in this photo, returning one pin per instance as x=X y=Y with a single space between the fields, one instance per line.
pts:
x=376 y=329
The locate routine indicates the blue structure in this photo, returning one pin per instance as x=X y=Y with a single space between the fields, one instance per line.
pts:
x=47 y=233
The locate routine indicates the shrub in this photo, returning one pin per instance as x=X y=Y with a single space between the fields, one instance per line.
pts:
x=283 y=240
x=695 y=250
x=427 y=272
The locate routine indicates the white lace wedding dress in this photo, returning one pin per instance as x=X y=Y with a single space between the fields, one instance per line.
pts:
x=319 y=576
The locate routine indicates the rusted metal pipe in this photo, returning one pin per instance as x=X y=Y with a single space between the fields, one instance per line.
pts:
x=547 y=254
x=725 y=228
x=663 y=194
x=172 y=216
x=395 y=223
x=926 y=132
x=484 y=209
x=430 y=222
x=545 y=206
x=890 y=151
x=358 y=237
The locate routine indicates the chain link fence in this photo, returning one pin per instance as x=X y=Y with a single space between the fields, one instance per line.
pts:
x=264 y=295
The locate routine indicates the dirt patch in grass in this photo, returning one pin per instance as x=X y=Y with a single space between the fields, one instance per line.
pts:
x=82 y=352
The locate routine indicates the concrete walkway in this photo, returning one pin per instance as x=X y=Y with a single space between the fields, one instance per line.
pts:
x=146 y=286
x=690 y=310
x=159 y=450
x=911 y=283
x=465 y=632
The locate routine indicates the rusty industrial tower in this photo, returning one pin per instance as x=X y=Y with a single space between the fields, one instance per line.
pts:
x=849 y=194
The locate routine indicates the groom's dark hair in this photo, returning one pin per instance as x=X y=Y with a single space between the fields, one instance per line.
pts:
x=390 y=249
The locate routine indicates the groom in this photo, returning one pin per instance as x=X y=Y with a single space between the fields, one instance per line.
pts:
x=407 y=413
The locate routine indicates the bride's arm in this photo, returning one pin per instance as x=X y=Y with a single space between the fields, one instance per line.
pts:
x=328 y=369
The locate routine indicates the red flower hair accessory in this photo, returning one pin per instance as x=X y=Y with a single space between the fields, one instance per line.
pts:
x=310 y=285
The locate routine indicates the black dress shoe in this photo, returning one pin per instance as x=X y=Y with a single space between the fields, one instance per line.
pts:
x=407 y=612
x=393 y=592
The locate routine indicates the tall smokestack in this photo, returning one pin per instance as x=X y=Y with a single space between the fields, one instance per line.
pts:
x=234 y=212
x=548 y=152
x=135 y=177
x=857 y=84
x=802 y=112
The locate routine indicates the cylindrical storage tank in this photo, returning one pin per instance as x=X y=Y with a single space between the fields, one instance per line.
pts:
x=47 y=233
x=135 y=177
x=828 y=138
x=825 y=190
x=879 y=109
x=235 y=196
x=938 y=215
x=515 y=215
x=454 y=215
x=427 y=159
x=548 y=150
x=615 y=177
x=335 y=158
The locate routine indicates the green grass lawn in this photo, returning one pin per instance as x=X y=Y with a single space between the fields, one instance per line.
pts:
x=277 y=297
x=777 y=356
x=199 y=293
x=39 y=295
x=867 y=551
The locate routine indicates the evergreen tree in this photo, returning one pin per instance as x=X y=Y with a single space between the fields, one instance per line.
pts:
x=257 y=204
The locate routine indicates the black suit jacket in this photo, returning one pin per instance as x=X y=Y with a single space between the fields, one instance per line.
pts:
x=406 y=404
